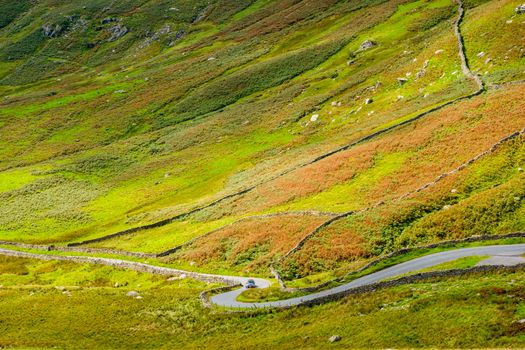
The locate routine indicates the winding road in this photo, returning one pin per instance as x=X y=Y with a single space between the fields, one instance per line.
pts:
x=507 y=255
x=499 y=255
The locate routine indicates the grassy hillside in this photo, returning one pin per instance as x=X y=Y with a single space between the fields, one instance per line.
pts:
x=477 y=311
x=313 y=136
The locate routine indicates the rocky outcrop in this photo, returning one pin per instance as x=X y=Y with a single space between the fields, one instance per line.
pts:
x=117 y=32
x=367 y=44
x=334 y=338
x=108 y=20
x=52 y=30
x=163 y=33
x=520 y=9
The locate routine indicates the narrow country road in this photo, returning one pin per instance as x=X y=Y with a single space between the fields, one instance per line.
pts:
x=498 y=255
x=229 y=299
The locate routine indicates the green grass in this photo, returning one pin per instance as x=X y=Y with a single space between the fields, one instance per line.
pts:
x=247 y=81
x=443 y=313
x=80 y=159
x=267 y=294
x=462 y=263
x=12 y=180
x=11 y=10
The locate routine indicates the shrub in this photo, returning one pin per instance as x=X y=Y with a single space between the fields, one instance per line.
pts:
x=227 y=90
x=12 y=9
x=23 y=48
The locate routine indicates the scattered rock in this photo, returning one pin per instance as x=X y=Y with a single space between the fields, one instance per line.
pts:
x=446 y=207
x=402 y=81
x=212 y=58
x=438 y=52
x=520 y=9
x=481 y=54
x=509 y=21
x=117 y=32
x=517 y=199
x=334 y=338
x=367 y=44
x=180 y=34
x=108 y=20
x=488 y=60
x=138 y=297
x=368 y=101
x=314 y=118
x=454 y=190
x=158 y=35
x=132 y=294
x=52 y=31
x=60 y=288
x=399 y=97
x=520 y=170
x=420 y=74
x=521 y=321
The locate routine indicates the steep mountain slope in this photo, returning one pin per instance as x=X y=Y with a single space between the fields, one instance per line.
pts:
x=143 y=110
x=228 y=135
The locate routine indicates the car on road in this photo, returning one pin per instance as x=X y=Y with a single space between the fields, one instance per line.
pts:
x=250 y=284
